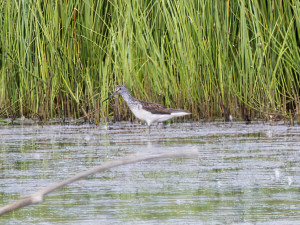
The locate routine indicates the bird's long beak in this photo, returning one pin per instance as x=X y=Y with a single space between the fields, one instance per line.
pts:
x=113 y=94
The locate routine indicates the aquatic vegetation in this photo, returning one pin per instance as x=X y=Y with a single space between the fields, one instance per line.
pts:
x=213 y=58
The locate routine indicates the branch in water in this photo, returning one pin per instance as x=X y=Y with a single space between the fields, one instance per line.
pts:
x=39 y=195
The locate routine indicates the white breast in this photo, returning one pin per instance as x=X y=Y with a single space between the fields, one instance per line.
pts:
x=150 y=118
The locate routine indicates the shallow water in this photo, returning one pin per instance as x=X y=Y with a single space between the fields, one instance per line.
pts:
x=244 y=174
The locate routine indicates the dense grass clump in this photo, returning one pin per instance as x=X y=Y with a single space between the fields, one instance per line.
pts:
x=214 y=58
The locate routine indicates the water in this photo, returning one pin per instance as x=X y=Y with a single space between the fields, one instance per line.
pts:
x=244 y=174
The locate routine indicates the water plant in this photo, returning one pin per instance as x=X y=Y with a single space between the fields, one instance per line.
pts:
x=214 y=58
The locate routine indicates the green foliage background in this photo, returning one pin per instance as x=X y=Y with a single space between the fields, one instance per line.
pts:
x=61 y=58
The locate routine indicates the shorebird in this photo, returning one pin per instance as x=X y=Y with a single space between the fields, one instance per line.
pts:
x=147 y=111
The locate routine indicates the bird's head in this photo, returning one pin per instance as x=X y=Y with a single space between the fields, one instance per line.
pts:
x=119 y=90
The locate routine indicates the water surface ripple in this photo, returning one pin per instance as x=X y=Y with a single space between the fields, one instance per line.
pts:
x=244 y=174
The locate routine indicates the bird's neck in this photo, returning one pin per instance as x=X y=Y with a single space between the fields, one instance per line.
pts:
x=128 y=98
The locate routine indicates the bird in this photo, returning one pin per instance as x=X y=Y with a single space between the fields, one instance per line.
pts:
x=147 y=111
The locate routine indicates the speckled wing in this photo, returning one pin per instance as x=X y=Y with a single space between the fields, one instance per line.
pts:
x=159 y=109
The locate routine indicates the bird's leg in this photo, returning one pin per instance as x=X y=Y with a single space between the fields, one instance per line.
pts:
x=157 y=127
x=148 y=128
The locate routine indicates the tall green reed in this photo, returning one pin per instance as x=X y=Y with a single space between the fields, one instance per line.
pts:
x=61 y=58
